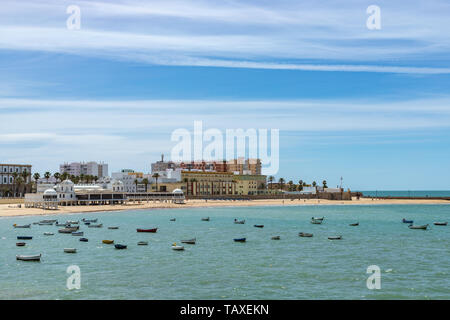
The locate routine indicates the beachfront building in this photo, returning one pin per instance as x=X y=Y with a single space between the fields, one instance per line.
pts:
x=47 y=200
x=132 y=181
x=250 y=184
x=208 y=183
x=91 y=168
x=15 y=180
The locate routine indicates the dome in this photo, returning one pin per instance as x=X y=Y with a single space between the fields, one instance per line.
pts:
x=67 y=182
x=177 y=191
x=50 y=192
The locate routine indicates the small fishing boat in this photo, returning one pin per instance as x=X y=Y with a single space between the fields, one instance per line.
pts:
x=113 y=228
x=75 y=228
x=70 y=250
x=259 y=226
x=189 y=241
x=316 y=221
x=87 y=223
x=177 y=247
x=142 y=243
x=205 y=219
x=36 y=257
x=423 y=227
x=354 y=224
x=407 y=221
x=173 y=219
x=65 y=230
x=108 y=241
x=84 y=239
x=89 y=220
x=35 y=222
x=21 y=226
x=239 y=222
x=79 y=233
x=48 y=233
x=120 y=246
x=276 y=238
x=305 y=235
x=72 y=222
x=20 y=244
x=24 y=237
x=48 y=221
x=45 y=223
x=153 y=230
x=61 y=224
x=95 y=225
x=335 y=238
x=239 y=239
x=440 y=223
x=318 y=218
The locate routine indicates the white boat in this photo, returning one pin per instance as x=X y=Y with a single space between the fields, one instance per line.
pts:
x=22 y=226
x=335 y=238
x=70 y=250
x=72 y=222
x=46 y=223
x=48 y=233
x=239 y=222
x=177 y=247
x=424 y=227
x=36 y=257
x=316 y=221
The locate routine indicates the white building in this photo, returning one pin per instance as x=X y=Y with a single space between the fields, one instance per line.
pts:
x=86 y=168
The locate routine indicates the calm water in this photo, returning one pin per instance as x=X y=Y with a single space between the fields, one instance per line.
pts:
x=414 y=263
x=407 y=193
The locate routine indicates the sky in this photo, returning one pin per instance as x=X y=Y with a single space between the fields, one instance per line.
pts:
x=371 y=106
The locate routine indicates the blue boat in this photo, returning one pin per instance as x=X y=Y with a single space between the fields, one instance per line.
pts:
x=84 y=240
x=407 y=221
x=24 y=238
x=239 y=240
x=120 y=246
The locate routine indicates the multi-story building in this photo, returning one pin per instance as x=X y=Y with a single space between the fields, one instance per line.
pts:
x=249 y=184
x=86 y=168
x=129 y=178
x=244 y=166
x=9 y=174
x=208 y=183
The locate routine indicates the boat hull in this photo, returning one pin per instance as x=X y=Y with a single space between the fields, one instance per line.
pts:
x=147 y=230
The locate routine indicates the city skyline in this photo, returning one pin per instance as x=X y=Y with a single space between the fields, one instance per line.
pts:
x=368 y=105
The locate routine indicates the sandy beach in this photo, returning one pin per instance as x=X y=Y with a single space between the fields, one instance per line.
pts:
x=11 y=210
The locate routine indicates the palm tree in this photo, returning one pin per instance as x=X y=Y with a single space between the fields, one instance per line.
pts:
x=82 y=178
x=156 y=176
x=324 y=183
x=314 y=184
x=271 y=179
x=290 y=183
x=57 y=176
x=186 y=180
x=95 y=178
x=19 y=181
x=281 y=181
x=300 y=185
x=14 y=175
x=136 y=183
x=145 y=182
x=47 y=175
x=36 y=176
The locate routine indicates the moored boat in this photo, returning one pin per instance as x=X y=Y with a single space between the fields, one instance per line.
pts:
x=205 y=219
x=84 y=239
x=89 y=220
x=48 y=233
x=120 y=246
x=113 y=228
x=276 y=238
x=423 y=227
x=153 y=230
x=189 y=241
x=48 y=221
x=239 y=239
x=305 y=235
x=21 y=244
x=173 y=219
x=142 y=243
x=317 y=218
x=95 y=225
x=24 y=237
x=21 y=226
x=239 y=221
x=259 y=226
x=316 y=221
x=108 y=241
x=354 y=224
x=440 y=223
x=65 y=230
x=72 y=222
x=61 y=224
x=70 y=250
x=45 y=223
x=335 y=238
x=80 y=233
x=407 y=221
x=177 y=247
x=36 y=257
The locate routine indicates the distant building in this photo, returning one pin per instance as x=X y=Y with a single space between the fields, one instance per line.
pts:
x=129 y=178
x=8 y=185
x=86 y=168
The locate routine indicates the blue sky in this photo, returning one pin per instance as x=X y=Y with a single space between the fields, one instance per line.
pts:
x=371 y=106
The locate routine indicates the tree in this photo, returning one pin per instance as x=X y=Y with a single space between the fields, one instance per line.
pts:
x=271 y=179
x=19 y=182
x=156 y=176
x=281 y=181
x=15 y=175
x=57 y=176
x=314 y=184
x=47 y=175
x=136 y=183
x=145 y=182
x=324 y=183
x=300 y=185
x=290 y=183
x=82 y=178
x=36 y=177
x=186 y=180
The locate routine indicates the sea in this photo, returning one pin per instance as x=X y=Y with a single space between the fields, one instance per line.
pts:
x=407 y=193
x=404 y=263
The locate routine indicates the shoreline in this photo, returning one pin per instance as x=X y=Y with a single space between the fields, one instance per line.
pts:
x=12 y=210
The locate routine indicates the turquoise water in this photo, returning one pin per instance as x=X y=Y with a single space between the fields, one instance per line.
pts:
x=414 y=263
x=407 y=193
